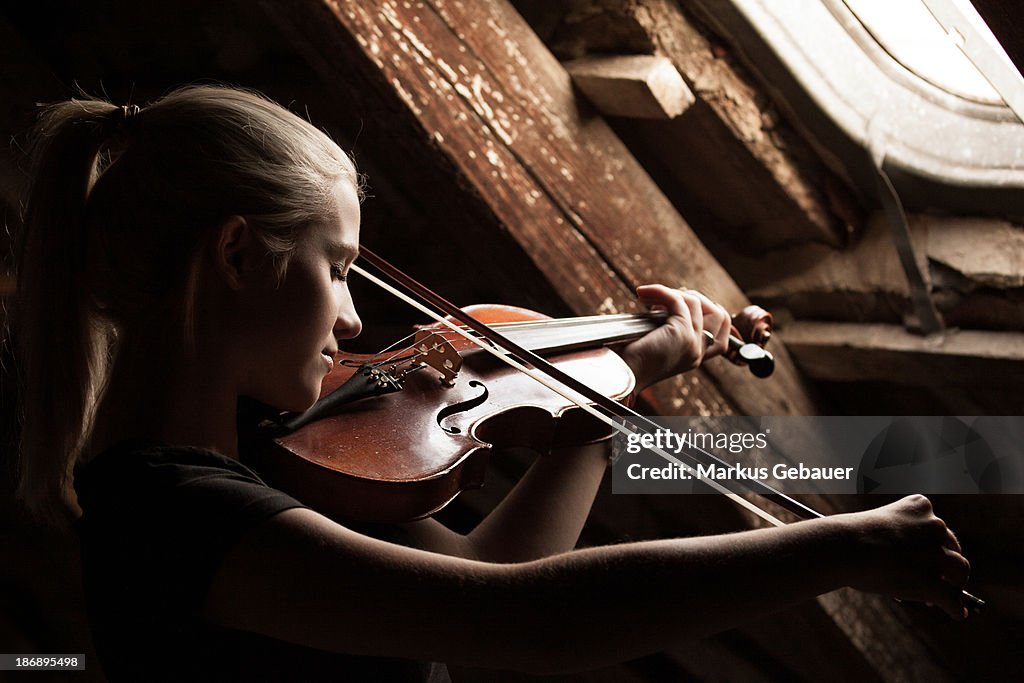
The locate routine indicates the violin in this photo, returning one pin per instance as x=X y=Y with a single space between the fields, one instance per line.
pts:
x=396 y=435
x=399 y=434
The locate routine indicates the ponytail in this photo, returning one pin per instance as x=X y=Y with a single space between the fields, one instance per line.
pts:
x=119 y=206
x=59 y=343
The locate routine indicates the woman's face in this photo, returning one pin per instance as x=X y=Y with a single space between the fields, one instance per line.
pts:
x=304 y=316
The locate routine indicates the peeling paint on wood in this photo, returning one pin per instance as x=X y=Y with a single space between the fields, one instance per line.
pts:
x=734 y=140
x=586 y=189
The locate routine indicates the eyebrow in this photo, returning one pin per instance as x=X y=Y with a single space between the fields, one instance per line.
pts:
x=341 y=250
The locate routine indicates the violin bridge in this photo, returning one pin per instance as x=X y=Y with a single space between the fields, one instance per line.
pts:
x=437 y=352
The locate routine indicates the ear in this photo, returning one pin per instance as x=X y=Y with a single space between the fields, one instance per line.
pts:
x=236 y=252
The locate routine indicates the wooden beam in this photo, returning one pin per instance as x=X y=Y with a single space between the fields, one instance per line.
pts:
x=731 y=161
x=848 y=352
x=497 y=107
x=974 y=268
x=632 y=86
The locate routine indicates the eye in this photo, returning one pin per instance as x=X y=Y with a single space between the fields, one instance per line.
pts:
x=338 y=272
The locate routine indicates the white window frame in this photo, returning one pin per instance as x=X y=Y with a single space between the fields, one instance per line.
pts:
x=847 y=95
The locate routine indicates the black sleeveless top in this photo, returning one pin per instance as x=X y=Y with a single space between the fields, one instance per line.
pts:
x=156 y=523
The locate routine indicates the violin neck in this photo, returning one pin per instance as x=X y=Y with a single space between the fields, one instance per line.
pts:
x=569 y=334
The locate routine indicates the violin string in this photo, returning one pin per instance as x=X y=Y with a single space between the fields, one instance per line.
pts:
x=394 y=357
x=579 y=400
x=581 y=321
x=388 y=348
x=408 y=347
x=416 y=353
x=397 y=353
x=406 y=371
x=409 y=360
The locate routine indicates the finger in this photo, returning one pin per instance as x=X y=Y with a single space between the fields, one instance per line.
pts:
x=916 y=503
x=952 y=542
x=953 y=604
x=956 y=570
x=696 y=307
x=722 y=335
x=718 y=324
x=669 y=299
x=941 y=595
x=717 y=321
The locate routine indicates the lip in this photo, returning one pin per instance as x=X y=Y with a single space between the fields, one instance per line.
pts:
x=328 y=361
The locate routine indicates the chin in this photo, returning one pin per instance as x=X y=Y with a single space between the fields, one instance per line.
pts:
x=297 y=401
x=307 y=401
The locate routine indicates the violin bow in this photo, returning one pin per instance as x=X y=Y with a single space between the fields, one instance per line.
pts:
x=697 y=455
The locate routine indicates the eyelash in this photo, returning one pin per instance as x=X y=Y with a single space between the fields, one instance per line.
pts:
x=337 y=272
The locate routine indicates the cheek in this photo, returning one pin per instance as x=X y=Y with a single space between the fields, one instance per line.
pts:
x=308 y=304
x=333 y=300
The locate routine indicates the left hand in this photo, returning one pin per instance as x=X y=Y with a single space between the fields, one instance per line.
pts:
x=679 y=344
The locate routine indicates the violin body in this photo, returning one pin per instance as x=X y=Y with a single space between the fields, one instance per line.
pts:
x=406 y=454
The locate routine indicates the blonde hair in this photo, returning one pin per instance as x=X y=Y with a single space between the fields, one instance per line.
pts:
x=119 y=204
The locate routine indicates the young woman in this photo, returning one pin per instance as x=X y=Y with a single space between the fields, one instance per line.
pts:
x=171 y=251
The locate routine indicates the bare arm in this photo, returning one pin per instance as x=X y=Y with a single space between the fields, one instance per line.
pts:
x=542 y=516
x=302 y=578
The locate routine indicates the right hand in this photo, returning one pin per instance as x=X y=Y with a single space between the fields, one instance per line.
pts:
x=908 y=553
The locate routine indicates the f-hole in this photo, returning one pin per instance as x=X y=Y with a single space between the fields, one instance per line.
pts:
x=462 y=406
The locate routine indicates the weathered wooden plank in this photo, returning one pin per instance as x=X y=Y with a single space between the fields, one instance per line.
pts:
x=500 y=109
x=632 y=86
x=731 y=145
x=847 y=352
x=973 y=266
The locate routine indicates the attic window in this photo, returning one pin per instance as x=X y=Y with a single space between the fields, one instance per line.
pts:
x=908 y=31
x=855 y=75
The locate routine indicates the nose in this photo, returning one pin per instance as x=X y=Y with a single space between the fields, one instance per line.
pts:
x=348 y=324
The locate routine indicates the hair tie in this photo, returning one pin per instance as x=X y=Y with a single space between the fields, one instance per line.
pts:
x=124 y=117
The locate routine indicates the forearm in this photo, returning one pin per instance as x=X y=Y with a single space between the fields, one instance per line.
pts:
x=541 y=516
x=545 y=512
x=325 y=587
x=643 y=373
x=597 y=607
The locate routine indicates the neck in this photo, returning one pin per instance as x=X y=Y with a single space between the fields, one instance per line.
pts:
x=568 y=334
x=171 y=398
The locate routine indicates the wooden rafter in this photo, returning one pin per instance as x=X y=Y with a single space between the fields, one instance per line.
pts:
x=731 y=144
x=496 y=105
x=847 y=352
